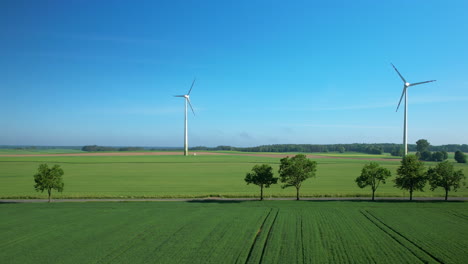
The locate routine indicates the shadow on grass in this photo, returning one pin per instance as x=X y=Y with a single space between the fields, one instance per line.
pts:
x=423 y=201
x=220 y=201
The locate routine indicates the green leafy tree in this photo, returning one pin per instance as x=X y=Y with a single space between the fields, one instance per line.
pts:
x=445 y=155
x=425 y=155
x=48 y=179
x=372 y=175
x=422 y=145
x=411 y=175
x=397 y=151
x=445 y=176
x=437 y=156
x=460 y=157
x=341 y=149
x=261 y=175
x=293 y=171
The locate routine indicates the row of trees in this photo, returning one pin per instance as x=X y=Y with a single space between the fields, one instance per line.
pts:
x=423 y=152
x=293 y=172
x=364 y=148
x=94 y=148
x=394 y=149
x=412 y=175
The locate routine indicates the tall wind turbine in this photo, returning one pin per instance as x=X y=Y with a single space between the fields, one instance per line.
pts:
x=405 y=93
x=187 y=101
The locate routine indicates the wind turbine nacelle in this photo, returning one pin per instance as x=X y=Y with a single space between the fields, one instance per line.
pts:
x=407 y=84
x=186 y=96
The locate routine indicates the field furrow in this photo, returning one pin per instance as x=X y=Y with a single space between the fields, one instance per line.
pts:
x=438 y=233
x=234 y=232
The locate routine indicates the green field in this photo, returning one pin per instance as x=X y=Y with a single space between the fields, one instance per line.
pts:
x=38 y=151
x=193 y=176
x=235 y=232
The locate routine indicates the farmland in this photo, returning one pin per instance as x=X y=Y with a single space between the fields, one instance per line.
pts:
x=164 y=176
x=235 y=232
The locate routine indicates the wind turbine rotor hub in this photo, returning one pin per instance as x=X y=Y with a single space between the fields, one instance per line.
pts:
x=407 y=84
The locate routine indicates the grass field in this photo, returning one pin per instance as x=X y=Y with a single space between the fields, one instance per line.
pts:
x=235 y=232
x=193 y=176
x=38 y=151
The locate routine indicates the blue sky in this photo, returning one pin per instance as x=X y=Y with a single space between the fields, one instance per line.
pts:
x=268 y=72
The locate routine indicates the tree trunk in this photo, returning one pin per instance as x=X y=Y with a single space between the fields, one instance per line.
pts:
x=49 y=191
x=261 y=192
x=411 y=195
x=297 y=193
x=373 y=192
x=446 y=195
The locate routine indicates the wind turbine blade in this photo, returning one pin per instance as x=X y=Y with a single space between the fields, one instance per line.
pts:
x=413 y=84
x=191 y=86
x=188 y=100
x=399 y=73
x=178 y=96
x=403 y=93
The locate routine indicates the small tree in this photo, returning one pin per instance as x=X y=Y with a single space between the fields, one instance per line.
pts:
x=445 y=155
x=397 y=152
x=460 y=157
x=437 y=156
x=341 y=149
x=422 y=145
x=444 y=175
x=372 y=175
x=293 y=171
x=411 y=175
x=48 y=178
x=425 y=155
x=261 y=175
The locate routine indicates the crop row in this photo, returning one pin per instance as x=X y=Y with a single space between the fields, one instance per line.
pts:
x=244 y=232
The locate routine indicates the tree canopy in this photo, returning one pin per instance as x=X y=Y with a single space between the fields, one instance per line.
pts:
x=294 y=171
x=445 y=176
x=354 y=147
x=372 y=175
x=460 y=157
x=422 y=145
x=261 y=175
x=411 y=175
x=48 y=179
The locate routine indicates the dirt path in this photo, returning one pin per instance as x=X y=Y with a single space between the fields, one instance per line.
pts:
x=174 y=153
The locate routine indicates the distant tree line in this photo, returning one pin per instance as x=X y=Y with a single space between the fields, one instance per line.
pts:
x=22 y=147
x=377 y=148
x=102 y=148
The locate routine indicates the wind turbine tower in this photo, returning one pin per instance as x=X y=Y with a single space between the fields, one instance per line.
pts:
x=187 y=101
x=405 y=93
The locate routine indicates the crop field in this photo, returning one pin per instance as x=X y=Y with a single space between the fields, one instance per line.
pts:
x=235 y=232
x=164 y=176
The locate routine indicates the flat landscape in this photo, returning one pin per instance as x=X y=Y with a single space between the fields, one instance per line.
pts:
x=235 y=232
x=165 y=175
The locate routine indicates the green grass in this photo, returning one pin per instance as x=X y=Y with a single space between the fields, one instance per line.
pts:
x=193 y=176
x=235 y=232
x=38 y=151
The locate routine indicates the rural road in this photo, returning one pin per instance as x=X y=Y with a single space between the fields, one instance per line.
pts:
x=233 y=199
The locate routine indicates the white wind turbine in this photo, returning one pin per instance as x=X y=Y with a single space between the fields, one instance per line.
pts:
x=405 y=87
x=187 y=100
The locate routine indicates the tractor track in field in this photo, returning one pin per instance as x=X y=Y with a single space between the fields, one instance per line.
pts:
x=257 y=236
x=175 y=153
x=268 y=236
x=396 y=236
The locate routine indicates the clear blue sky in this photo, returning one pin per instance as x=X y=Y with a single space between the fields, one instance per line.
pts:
x=268 y=72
